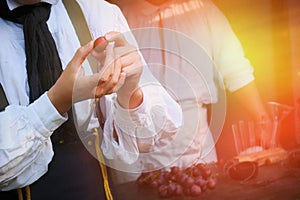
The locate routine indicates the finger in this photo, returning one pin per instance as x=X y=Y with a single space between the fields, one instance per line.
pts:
x=100 y=57
x=109 y=55
x=130 y=58
x=99 y=92
x=117 y=70
x=99 y=47
x=124 y=50
x=130 y=70
x=81 y=54
x=130 y=66
x=121 y=81
x=101 y=88
x=85 y=86
x=116 y=37
x=108 y=69
x=111 y=84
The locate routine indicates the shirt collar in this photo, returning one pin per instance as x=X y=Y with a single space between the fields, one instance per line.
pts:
x=13 y=4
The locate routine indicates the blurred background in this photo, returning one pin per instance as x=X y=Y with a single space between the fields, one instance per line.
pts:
x=269 y=31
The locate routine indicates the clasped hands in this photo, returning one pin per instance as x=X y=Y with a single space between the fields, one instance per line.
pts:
x=120 y=72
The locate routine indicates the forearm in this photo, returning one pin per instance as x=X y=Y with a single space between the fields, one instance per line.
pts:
x=62 y=105
x=249 y=97
x=130 y=101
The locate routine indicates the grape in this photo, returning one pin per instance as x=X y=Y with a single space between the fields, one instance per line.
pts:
x=173 y=178
x=179 y=175
x=175 y=170
x=206 y=173
x=188 y=182
x=163 y=191
x=211 y=184
x=189 y=170
x=172 y=188
x=154 y=184
x=200 y=181
x=183 y=178
x=166 y=175
x=179 y=190
x=201 y=166
x=196 y=172
x=204 y=187
x=100 y=44
x=195 y=190
x=161 y=180
x=191 y=181
x=187 y=191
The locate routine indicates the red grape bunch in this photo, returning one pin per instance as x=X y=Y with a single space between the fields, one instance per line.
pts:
x=191 y=181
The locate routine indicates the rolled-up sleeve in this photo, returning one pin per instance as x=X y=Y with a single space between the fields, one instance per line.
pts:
x=228 y=53
x=25 y=146
x=157 y=118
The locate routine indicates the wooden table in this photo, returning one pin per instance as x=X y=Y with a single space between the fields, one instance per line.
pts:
x=273 y=182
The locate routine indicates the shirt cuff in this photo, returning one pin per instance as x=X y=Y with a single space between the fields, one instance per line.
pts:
x=44 y=116
x=239 y=82
x=130 y=119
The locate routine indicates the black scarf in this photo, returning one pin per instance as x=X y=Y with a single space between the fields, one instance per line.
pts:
x=43 y=64
x=42 y=61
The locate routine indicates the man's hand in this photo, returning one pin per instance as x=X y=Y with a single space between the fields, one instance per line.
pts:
x=73 y=86
x=129 y=94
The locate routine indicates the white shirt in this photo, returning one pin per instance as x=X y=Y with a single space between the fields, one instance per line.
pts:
x=25 y=129
x=197 y=39
x=201 y=22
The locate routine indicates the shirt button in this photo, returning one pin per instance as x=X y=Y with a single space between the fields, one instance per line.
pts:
x=90 y=143
x=61 y=141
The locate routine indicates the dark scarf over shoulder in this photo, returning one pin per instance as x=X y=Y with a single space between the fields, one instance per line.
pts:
x=42 y=61
x=43 y=64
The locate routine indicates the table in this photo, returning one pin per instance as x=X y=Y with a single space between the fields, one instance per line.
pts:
x=273 y=182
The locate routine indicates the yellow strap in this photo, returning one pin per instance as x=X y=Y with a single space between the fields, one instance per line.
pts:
x=102 y=166
x=28 y=194
x=20 y=195
x=81 y=27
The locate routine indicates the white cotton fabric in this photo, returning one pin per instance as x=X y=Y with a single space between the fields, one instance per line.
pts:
x=202 y=57
x=25 y=129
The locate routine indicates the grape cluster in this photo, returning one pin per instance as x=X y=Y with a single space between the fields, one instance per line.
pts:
x=191 y=181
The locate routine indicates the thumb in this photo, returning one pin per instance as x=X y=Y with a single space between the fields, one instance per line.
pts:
x=110 y=56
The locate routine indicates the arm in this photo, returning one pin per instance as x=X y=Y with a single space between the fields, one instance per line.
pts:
x=138 y=119
x=25 y=145
x=235 y=68
x=248 y=96
x=140 y=111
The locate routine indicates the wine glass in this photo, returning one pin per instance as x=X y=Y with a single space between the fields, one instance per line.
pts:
x=278 y=113
x=250 y=136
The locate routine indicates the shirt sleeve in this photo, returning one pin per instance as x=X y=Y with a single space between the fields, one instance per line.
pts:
x=157 y=118
x=228 y=53
x=25 y=146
